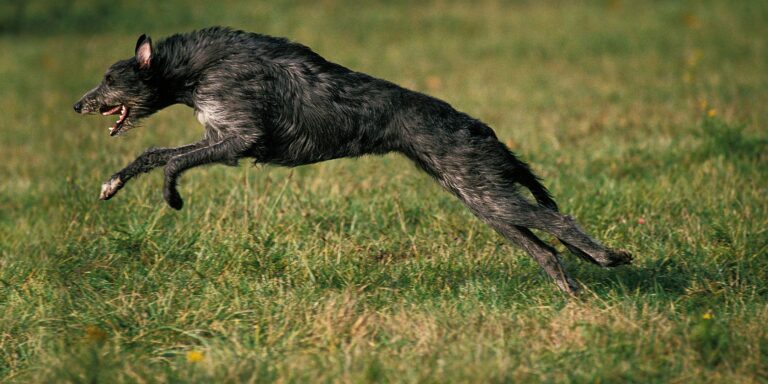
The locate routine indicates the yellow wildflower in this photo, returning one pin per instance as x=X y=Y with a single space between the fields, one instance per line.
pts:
x=707 y=316
x=712 y=112
x=195 y=356
x=94 y=334
x=691 y=21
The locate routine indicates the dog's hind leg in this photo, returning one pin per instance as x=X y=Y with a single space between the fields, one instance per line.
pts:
x=543 y=253
x=150 y=159
x=484 y=175
x=514 y=209
x=495 y=212
x=578 y=252
x=567 y=230
x=477 y=175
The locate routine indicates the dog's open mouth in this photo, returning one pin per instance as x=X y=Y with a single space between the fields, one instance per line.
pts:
x=122 y=110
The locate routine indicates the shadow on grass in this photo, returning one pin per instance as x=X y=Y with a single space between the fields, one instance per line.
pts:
x=662 y=277
x=491 y=282
x=497 y=285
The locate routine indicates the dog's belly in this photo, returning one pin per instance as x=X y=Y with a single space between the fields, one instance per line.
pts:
x=301 y=149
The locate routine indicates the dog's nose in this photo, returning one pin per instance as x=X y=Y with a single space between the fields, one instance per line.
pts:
x=78 y=107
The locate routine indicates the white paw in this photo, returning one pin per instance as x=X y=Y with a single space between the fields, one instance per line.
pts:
x=110 y=188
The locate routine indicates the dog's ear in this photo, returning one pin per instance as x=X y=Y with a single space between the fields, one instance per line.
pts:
x=144 y=51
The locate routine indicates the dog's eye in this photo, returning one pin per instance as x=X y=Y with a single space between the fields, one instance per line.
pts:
x=108 y=79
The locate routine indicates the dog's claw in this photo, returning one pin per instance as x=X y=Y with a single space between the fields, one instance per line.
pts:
x=110 y=188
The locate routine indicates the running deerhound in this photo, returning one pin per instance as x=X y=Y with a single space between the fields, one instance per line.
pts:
x=279 y=102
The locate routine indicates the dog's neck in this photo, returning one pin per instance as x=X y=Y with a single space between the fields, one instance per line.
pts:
x=176 y=83
x=179 y=63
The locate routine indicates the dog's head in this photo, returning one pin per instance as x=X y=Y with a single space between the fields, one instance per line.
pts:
x=129 y=90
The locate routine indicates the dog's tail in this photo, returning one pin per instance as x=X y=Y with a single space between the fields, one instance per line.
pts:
x=522 y=174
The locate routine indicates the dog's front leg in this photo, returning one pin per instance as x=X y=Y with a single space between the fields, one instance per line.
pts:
x=147 y=161
x=225 y=151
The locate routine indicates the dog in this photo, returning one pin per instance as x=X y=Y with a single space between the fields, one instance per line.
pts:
x=278 y=102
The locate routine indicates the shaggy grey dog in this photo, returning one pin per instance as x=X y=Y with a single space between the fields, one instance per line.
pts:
x=279 y=102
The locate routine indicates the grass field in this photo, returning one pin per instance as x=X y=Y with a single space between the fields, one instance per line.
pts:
x=647 y=120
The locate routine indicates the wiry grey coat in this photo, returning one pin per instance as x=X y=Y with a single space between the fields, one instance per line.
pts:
x=279 y=102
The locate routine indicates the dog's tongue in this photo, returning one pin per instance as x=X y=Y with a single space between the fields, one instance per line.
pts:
x=112 y=111
x=113 y=130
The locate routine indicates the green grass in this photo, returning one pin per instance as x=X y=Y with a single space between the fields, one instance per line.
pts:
x=647 y=121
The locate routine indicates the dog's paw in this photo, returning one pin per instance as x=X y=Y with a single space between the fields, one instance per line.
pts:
x=618 y=257
x=569 y=286
x=626 y=257
x=173 y=198
x=110 y=188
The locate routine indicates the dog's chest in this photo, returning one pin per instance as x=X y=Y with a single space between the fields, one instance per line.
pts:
x=202 y=116
x=209 y=117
